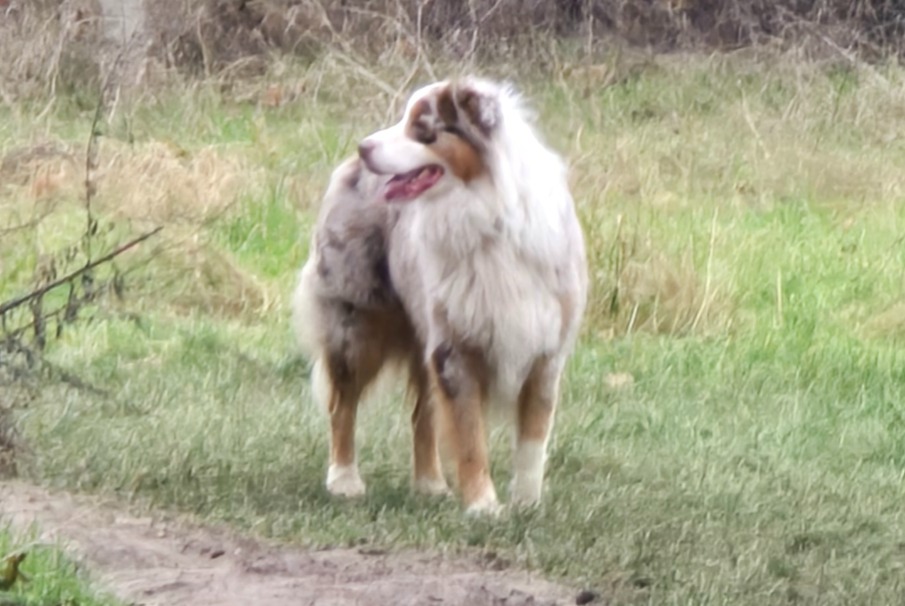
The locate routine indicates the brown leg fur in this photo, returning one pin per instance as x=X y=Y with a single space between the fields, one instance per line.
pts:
x=459 y=379
x=343 y=392
x=343 y=411
x=428 y=473
x=360 y=344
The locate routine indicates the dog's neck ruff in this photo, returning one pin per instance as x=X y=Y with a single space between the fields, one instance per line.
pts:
x=523 y=197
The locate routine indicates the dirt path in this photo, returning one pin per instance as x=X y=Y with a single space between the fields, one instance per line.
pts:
x=162 y=560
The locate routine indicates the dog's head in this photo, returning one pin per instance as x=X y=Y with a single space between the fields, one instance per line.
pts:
x=442 y=139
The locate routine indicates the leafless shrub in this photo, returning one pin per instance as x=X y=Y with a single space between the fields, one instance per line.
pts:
x=65 y=281
x=206 y=35
x=27 y=323
x=60 y=45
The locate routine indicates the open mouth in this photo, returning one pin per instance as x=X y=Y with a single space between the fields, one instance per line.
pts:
x=410 y=185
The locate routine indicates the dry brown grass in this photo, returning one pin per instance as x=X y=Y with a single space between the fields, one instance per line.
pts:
x=188 y=275
x=649 y=291
x=889 y=323
x=155 y=182
x=49 y=47
x=148 y=184
x=162 y=183
x=62 y=46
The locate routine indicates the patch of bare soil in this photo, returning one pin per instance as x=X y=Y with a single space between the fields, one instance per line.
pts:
x=164 y=560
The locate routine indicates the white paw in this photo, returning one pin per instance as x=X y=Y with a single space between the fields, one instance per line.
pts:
x=528 y=473
x=486 y=505
x=431 y=486
x=526 y=489
x=344 y=481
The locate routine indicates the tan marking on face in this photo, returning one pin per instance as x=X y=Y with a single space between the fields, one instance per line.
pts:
x=435 y=125
x=460 y=156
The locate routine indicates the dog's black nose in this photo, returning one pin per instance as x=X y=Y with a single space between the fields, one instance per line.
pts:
x=365 y=148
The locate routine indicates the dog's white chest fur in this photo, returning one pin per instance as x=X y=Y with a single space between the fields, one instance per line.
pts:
x=489 y=282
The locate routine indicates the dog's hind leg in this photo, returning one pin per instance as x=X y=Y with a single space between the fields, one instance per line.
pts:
x=341 y=403
x=428 y=473
x=536 y=410
x=343 y=372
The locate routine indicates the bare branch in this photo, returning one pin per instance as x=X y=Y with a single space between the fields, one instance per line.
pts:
x=19 y=301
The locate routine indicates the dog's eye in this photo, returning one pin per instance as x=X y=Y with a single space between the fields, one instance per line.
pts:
x=424 y=134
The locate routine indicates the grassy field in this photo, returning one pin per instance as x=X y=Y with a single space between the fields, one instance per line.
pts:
x=732 y=424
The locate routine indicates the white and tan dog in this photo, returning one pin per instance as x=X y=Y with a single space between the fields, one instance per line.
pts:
x=450 y=244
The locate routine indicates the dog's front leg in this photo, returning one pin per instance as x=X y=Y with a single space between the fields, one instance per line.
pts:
x=536 y=410
x=428 y=472
x=459 y=378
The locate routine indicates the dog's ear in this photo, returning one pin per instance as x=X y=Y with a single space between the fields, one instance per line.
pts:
x=480 y=108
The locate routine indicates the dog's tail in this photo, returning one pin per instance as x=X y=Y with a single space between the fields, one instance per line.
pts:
x=307 y=325
x=306 y=320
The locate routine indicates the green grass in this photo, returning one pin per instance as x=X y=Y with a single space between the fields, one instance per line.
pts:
x=53 y=580
x=744 y=220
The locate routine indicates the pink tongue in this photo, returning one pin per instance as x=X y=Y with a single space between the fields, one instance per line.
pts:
x=412 y=184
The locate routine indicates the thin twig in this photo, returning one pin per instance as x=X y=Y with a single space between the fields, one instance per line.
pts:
x=18 y=301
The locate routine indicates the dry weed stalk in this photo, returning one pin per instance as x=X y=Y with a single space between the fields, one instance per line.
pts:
x=64 y=283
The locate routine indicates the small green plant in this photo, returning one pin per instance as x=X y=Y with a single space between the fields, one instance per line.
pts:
x=34 y=574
